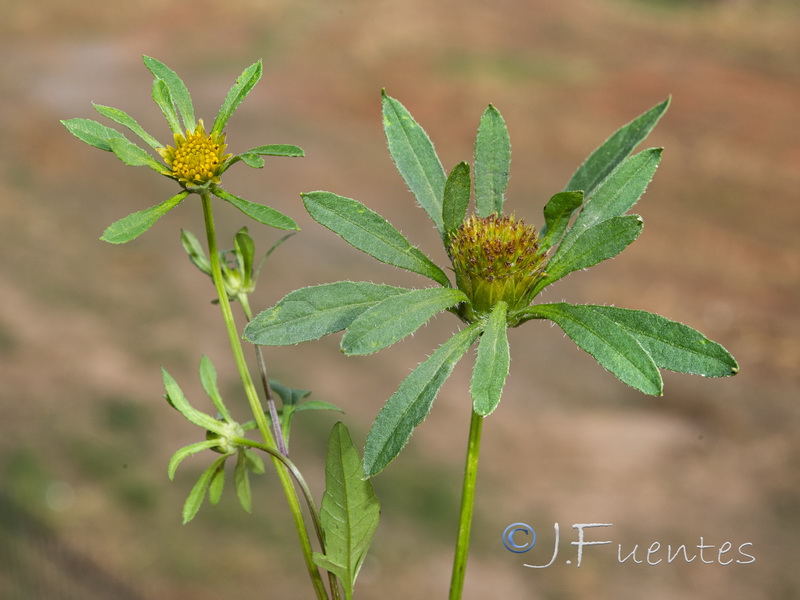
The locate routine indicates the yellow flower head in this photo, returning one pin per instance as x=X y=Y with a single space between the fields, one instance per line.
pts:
x=196 y=158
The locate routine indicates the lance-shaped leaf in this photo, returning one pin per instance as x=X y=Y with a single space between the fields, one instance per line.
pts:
x=124 y=119
x=208 y=379
x=198 y=493
x=366 y=230
x=195 y=251
x=91 y=132
x=164 y=100
x=557 y=213
x=614 y=150
x=396 y=317
x=252 y=158
x=492 y=162
x=491 y=365
x=238 y=92
x=134 y=156
x=593 y=246
x=313 y=312
x=608 y=342
x=185 y=452
x=241 y=481
x=350 y=511
x=259 y=212
x=216 y=485
x=181 y=404
x=672 y=345
x=616 y=194
x=415 y=158
x=177 y=89
x=412 y=401
x=136 y=224
x=456 y=197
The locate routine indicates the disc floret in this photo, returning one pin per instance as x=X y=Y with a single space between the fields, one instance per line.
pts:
x=197 y=157
x=495 y=258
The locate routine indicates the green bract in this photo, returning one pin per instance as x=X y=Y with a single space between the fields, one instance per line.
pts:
x=197 y=159
x=501 y=265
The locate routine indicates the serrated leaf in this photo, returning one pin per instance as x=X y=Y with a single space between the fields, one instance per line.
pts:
x=557 y=213
x=616 y=194
x=456 y=197
x=614 y=150
x=238 y=92
x=208 y=379
x=492 y=363
x=369 y=232
x=492 y=162
x=91 y=132
x=241 y=481
x=313 y=312
x=608 y=342
x=259 y=212
x=415 y=158
x=135 y=224
x=124 y=119
x=412 y=401
x=163 y=98
x=350 y=511
x=396 y=317
x=672 y=345
x=177 y=89
x=593 y=246
x=185 y=452
x=198 y=493
x=181 y=404
x=134 y=156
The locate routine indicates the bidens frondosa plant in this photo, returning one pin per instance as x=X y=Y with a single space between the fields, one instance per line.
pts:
x=500 y=264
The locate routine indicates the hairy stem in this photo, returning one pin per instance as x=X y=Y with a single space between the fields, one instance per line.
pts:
x=255 y=403
x=467 y=505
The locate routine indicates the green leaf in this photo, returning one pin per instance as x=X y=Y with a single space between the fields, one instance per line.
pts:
x=252 y=160
x=369 y=232
x=241 y=482
x=198 y=493
x=238 y=92
x=277 y=150
x=91 y=132
x=608 y=342
x=317 y=405
x=164 y=100
x=396 y=317
x=254 y=462
x=289 y=396
x=456 y=197
x=416 y=160
x=208 y=378
x=412 y=401
x=313 y=312
x=245 y=250
x=259 y=212
x=492 y=162
x=350 y=511
x=181 y=404
x=134 y=156
x=177 y=89
x=616 y=194
x=593 y=246
x=614 y=150
x=135 y=224
x=186 y=452
x=121 y=117
x=216 y=485
x=491 y=365
x=672 y=345
x=557 y=213
x=195 y=251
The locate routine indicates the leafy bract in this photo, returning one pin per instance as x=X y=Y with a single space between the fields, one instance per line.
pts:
x=134 y=156
x=350 y=511
x=412 y=401
x=177 y=90
x=614 y=150
x=456 y=197
x=135 y=224
x=415 y=158
x=366 y=230
x=124 y=119
x=238 y=92
x=91 y=132
x=259 y=212
x=163 y=98
x=557 y=214
x=198 y=493
x=492 y=162
x=313 y=312
x=491 y=365
x=394 y=318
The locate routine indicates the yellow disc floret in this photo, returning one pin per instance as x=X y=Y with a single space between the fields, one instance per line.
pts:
x=196 y=158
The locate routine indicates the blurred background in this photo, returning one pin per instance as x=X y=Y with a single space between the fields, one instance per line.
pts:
x=86 y=509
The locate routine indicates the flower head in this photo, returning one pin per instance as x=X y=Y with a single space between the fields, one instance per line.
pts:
x=196 y=158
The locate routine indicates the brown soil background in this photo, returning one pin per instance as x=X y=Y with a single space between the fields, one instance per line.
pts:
x=84 y=326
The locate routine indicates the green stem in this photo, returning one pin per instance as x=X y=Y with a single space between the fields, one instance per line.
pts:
x=255 y=403
x=467 y=505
